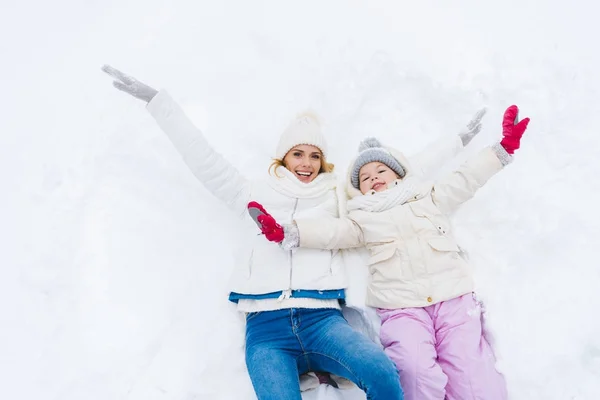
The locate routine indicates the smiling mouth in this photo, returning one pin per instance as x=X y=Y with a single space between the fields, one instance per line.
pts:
x=302 y=173
x=377 y=185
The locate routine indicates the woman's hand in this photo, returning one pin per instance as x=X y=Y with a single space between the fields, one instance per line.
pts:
x=130 y=85
x=472 y=128
x=267 y=224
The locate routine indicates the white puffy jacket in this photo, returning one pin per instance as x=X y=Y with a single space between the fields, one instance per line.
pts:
x=261 y=266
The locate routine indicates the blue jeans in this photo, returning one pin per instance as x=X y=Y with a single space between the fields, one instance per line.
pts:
x=281 y=345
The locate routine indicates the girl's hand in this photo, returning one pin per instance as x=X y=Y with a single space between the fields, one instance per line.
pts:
x=512 y=129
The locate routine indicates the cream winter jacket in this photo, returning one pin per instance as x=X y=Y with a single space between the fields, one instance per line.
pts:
x=414 y=259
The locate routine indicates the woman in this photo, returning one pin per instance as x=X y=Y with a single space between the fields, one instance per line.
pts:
x=291 y=298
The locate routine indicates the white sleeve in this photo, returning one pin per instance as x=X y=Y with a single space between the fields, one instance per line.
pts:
x=221 y=178
x=461 y=185
x=329 y=233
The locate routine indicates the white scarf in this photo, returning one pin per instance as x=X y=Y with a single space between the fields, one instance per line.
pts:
x=285 y=182
x=398 y=193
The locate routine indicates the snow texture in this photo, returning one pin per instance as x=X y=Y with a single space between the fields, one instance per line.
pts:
x=115 y=259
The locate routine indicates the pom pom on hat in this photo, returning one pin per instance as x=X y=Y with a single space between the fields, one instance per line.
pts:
x=369 y=143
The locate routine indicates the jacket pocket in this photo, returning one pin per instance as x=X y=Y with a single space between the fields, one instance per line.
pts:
x=381 y=253
x=250 y=261
x=443 y=243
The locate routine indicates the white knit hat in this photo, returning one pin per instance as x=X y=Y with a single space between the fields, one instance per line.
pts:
x=305 y=129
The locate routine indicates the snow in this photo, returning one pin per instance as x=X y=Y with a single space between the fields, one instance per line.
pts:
x=115 y=259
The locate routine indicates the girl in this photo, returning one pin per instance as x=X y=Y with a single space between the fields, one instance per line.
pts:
x=291 y=299
x=420 y=284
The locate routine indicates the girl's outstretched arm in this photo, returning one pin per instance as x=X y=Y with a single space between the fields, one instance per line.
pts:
x=328 y=233
x=459 y=186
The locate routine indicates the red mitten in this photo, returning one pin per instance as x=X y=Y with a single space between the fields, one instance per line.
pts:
x=267 y=224
x=512 y=129
x=272 y=230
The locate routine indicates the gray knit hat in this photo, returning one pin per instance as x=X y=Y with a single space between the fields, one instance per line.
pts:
x=371 y=150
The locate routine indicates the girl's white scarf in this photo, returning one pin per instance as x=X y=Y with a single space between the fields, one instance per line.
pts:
x=398 y=193
x=285 y=182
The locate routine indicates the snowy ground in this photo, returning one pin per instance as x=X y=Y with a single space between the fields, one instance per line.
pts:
x=115 y=260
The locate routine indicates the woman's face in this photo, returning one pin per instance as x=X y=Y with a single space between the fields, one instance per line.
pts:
x=304 y=161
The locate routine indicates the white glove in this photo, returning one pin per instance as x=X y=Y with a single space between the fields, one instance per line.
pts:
x=130 y=85
x=472 y=128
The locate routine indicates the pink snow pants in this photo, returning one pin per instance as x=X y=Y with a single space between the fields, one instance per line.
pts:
x=441 y=352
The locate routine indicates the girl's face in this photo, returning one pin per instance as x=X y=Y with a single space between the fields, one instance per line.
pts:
x=375 y=176
x=304 y=161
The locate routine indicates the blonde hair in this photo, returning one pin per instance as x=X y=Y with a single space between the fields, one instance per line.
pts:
x=325 y=166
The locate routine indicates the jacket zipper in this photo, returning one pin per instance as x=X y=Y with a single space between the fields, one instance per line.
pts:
x=286 y=294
